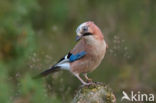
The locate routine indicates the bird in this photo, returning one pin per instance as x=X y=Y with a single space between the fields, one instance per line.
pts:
x=87 y=54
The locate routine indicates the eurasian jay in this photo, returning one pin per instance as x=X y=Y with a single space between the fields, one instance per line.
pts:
x=85 y=56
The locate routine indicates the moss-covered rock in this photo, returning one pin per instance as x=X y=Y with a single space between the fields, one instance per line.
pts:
x=94 y=93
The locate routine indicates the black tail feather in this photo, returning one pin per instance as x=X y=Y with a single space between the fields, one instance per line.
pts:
x=48 y=71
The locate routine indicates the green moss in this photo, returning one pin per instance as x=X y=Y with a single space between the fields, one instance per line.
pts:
x=94 y=93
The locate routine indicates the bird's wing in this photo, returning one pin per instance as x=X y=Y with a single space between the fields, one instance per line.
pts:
x=79 y=47
x=75 y=54
x=70 y=57
x=63 y=63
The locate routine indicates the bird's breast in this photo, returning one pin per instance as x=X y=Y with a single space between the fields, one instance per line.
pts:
x=95 y=53
x=96 y=50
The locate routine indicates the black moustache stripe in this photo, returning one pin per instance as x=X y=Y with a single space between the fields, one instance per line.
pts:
x=87 y=34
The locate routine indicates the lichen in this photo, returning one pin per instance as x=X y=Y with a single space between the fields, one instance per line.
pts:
x=94 y=93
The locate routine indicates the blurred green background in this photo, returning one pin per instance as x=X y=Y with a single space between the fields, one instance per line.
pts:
x=34 y=34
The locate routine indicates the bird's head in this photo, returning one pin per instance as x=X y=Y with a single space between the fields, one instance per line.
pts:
x=87 y=29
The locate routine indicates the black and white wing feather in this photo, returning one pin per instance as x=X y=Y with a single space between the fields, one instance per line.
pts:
x=63 y=63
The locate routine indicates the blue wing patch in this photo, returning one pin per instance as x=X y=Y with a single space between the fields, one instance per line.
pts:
x=77 y=56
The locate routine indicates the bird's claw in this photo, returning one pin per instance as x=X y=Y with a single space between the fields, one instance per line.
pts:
x=89 y=80
x=90 y=83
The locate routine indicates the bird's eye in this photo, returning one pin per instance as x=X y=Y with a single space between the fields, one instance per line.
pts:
x=85 y=28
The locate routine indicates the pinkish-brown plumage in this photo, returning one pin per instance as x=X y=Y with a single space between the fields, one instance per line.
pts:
x=95 y=47
x=86 y=55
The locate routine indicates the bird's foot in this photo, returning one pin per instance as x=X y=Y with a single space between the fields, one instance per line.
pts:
x=89 y=80
x=90 y=83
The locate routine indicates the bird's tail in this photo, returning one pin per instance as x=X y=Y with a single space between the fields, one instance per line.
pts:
x=48 y=71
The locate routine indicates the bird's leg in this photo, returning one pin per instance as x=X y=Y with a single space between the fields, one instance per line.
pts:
x=82 y=81
x=88 y=79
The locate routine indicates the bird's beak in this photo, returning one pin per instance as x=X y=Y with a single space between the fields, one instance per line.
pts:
x=78 y=38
